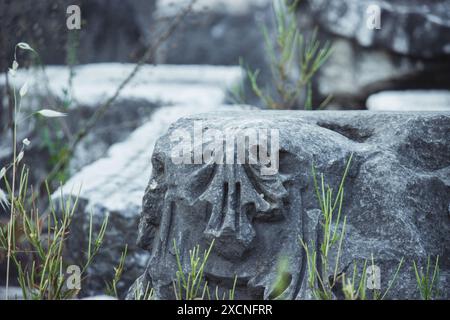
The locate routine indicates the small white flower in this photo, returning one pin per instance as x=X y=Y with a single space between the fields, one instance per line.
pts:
x=20 y=156
x=15 y=65
x=24 y=46
x=51 y=113
x=3 y=199
x=23 y=91
x=2 y=173
x=26 y=142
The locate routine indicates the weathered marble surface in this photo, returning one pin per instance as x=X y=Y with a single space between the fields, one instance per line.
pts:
x=397 y=198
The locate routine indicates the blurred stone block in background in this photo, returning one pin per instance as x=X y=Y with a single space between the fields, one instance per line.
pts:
x=410 y=100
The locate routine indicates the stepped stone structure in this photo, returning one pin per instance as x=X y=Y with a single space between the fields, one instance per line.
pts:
x=93 y=84
x=396 y=203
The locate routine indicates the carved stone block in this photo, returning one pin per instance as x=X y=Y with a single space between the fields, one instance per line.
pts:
x=396 y=199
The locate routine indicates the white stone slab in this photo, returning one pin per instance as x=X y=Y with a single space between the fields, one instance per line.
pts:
x=410 y=100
